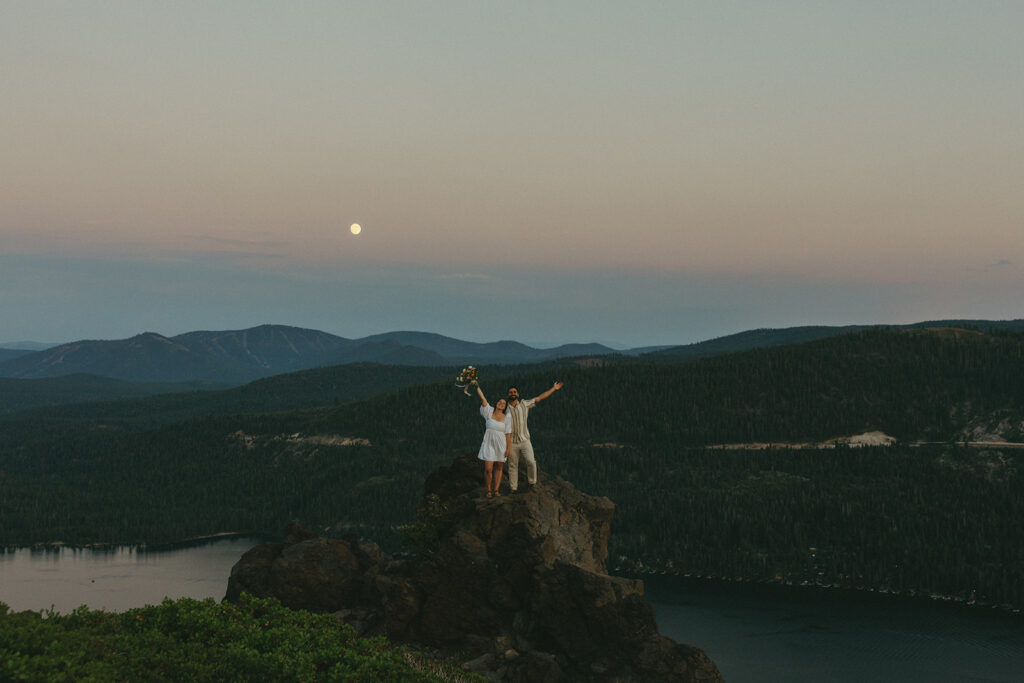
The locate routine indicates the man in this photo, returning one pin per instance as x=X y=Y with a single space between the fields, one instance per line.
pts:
x=521 y=446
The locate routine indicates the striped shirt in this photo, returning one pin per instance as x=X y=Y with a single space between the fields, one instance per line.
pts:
x=519 y=413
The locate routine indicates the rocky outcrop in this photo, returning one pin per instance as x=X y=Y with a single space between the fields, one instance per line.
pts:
x=516 y=587
x=307 y=571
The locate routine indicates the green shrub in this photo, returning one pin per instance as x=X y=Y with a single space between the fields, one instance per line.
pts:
x=189 y=640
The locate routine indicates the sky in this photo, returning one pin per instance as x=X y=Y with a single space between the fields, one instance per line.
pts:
x=630 y=173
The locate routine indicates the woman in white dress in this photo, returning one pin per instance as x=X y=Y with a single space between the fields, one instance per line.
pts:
x=497 y=441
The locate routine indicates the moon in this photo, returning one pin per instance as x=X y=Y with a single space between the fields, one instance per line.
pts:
x=355 y=228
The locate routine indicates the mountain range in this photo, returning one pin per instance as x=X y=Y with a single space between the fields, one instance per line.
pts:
x=770 y=337
x=240 y=356
x=236 y=357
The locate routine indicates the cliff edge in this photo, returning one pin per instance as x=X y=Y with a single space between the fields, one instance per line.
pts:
x=515 y=587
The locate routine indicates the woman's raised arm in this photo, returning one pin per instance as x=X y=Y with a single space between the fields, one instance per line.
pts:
x=480 y=393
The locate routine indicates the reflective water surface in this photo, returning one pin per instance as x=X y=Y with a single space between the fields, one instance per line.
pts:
x=763 y=634
x=119 y=578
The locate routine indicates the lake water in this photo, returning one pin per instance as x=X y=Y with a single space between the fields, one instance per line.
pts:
x=767 y=633
x=754 y=633
x=116 y=579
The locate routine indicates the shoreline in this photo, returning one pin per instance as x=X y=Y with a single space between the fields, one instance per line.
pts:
x=50 y=546
x=806 y=589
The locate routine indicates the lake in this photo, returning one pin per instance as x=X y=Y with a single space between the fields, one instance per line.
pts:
x=118 y=578
x=754 y=633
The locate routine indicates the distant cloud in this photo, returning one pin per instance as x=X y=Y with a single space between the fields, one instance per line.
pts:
x=235 y=243
x=1003 y=262
x=215 y=256
x=105 y=221
x=464 y=276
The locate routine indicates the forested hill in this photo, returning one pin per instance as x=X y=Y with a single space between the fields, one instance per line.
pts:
x=768 y=337
x=942 y=518
x=23 y=394
x=11 y=354
x=913 y=384
x=65 y=404
x=928 y=385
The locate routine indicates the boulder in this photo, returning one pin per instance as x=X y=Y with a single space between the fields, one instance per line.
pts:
x=307 y=571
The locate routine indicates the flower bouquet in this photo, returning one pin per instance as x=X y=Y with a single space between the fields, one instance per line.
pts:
x=466 y=379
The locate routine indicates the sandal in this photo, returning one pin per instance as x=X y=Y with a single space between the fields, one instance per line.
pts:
x=497 y=494
x=490 y=495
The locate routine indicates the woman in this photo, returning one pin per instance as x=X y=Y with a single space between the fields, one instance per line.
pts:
x=497 y=441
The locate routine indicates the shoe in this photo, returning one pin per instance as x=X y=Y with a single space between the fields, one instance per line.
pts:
x=490 y=494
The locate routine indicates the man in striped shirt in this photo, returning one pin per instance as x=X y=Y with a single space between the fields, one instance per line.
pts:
x=521 y=446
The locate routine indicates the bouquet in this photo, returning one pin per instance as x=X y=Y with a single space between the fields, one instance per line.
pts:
x=466 y=379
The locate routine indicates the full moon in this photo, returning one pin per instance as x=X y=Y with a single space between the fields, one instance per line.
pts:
x=355 y=228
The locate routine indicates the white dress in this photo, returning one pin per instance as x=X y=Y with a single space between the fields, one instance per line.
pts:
x=493 y=447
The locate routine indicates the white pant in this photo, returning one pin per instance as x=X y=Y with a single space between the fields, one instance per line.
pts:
x=524 y=448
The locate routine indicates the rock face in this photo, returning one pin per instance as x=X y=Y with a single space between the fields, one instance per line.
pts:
x=516 y=586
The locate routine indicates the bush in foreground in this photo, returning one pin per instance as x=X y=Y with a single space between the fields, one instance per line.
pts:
x=190 y=640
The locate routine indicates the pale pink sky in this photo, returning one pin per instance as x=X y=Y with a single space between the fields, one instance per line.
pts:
x=681 y=169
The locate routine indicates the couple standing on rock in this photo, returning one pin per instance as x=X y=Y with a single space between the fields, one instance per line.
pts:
x=506 y=437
